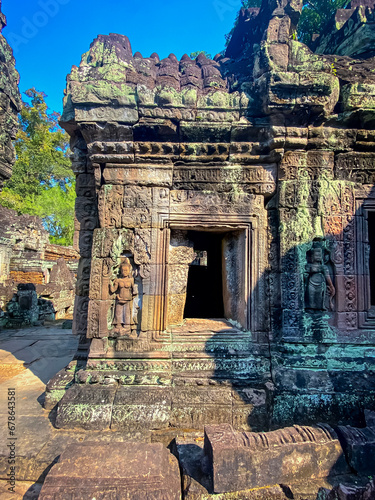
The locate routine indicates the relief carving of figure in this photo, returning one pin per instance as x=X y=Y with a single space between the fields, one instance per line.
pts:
x=317 y=279
x=126 y=290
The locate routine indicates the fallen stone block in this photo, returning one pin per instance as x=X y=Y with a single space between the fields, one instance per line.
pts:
x=197 y=481
x=345 y=492
x=359 y=448
x=112 y=471
x=241 y=460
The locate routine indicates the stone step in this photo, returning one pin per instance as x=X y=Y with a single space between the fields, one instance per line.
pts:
x=132 y=471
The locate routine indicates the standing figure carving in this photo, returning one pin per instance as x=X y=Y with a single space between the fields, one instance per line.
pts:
x=126 y=290
x=317 y=279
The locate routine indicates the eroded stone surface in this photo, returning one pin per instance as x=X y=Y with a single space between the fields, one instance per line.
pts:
x=10 y=105
x=114 y=470
x=350 y=33
x=249 y=460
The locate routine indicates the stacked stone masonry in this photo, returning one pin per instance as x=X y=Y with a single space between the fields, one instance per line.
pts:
x=27 y=257
x=224 y=219
x=350 y=32
x=10 y=105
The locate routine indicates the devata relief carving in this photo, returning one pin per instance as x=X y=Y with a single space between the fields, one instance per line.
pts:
x=126 y=308
x=228 y=208
x=319 y=286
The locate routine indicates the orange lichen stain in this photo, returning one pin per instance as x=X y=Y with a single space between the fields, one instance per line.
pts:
x=8 y=371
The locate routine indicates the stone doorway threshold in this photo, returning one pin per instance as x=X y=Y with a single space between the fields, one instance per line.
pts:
x=202 y=325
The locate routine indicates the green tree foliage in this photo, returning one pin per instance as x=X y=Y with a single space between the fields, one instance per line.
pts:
x=315 y=15
x=195 y=54
x=58 y=202
x=42 y=182
x=245 y=4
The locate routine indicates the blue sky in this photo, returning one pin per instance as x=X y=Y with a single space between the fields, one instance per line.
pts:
x=49 y=36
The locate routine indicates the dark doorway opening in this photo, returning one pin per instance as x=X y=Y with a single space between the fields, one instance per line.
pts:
x=204 y=297
x=371 y=237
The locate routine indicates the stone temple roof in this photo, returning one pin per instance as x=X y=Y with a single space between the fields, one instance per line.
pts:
x=264 y=72
x=112 y=56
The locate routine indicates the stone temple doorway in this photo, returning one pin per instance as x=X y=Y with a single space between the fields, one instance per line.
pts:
x=208 y=275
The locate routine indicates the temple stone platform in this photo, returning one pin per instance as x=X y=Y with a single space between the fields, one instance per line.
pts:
x=30 y=356
x=212 y=372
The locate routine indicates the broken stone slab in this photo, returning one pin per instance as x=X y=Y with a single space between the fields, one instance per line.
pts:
x=33 y=433
x=359 y=448
x=114 y=470
x=196 y=478
x=25 y=490
x=242 y=460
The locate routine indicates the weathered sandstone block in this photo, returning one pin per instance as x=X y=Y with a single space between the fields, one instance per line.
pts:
x=114 y=471
x=359 y=447
x=250 y=460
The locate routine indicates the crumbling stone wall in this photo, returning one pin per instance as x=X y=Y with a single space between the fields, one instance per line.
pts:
x=10 y=105
x=26 y=256
x=269 y=148
x=350 y=33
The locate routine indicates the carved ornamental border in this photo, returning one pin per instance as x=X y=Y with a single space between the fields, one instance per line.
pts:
x=253 y=256
x=366 y=317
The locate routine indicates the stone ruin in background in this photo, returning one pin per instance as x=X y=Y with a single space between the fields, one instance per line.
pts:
x=27 y=258
x=350 y=32
x=10 y=105
x=226 y=220
x=37 y=279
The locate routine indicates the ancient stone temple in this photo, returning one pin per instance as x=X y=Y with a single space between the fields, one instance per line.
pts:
x=10 y=105
x=226 y=221
x=27 y=257
x=351 y=32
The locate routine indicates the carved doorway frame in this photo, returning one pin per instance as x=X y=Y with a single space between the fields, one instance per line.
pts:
x=363 y=207
x=254 y=254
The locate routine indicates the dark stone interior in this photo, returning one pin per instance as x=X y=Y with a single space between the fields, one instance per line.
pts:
x=204 y=297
